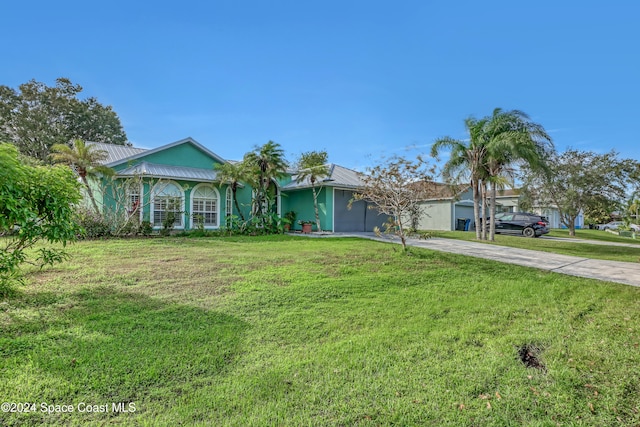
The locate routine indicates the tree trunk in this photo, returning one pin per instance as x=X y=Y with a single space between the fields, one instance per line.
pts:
x=476 y=207
x=234 y=190
x=492 y=212
x=572 y=227
x=315 y=206
x=90 y=193
x=400 y=232
x=483 y=193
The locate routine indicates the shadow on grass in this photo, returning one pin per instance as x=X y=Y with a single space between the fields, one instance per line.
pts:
x=102 y=345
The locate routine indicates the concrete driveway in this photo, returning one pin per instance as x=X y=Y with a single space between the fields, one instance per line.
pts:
x=612 y=271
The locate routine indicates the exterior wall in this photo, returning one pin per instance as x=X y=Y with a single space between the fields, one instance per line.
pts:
x=119 y=201
x=301 y=202
x=553 y=215
x=244 y=195
x=180 y=155
x=507 y=204
x=436 y=215
x=463 y=210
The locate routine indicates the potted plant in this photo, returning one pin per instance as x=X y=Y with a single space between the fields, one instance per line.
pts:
x=306 y=225
x=288 y=220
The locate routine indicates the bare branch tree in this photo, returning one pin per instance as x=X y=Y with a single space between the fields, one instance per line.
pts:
x=396 y=188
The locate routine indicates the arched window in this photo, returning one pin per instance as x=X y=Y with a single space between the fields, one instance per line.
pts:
x=167 y=200
x=204 y=206
x=132 y=197
x=229 y=202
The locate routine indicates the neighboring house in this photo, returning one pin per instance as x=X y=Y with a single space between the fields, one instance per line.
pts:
x=449 y=203
x=453 y=203
x=508 y=201
x=176 y=179
x=553 y=215
x=336 y=191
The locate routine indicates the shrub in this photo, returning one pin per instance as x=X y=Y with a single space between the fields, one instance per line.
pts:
x=94 y=226
x=36 y=204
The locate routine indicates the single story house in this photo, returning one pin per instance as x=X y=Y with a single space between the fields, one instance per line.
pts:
x=178 y=181
x=338 y=211
x=452 y=205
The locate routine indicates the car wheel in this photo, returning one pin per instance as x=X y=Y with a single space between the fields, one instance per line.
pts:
x=529 y=232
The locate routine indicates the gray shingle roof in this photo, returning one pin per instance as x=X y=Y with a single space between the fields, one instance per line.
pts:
x=116 y=152
x=339 y=176
x=170 y=172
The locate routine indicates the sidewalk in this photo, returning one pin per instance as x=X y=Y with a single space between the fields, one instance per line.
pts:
x=612 y=271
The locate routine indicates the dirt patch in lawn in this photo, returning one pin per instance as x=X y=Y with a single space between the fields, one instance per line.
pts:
x=529 y=355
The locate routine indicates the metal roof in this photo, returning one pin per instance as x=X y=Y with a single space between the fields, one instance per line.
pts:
x=339 y=176
x=170 y=172
x=116 y=152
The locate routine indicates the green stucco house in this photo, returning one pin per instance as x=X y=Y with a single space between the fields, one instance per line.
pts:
x=178 y=181
x=336 y=191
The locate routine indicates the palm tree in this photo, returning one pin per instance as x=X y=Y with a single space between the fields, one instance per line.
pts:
x=232 y=174
x=313 y=166
x=511 y=138
x=264 y=164
x=633 y=207
x=466 y=162
x=85 y=159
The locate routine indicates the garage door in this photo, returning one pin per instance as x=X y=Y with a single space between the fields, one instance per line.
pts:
x=466 y=212
x=358 y=218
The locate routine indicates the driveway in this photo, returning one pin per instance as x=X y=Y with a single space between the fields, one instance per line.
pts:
x=612 y=271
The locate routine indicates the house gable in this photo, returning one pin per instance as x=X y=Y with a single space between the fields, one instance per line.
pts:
x=186 y=153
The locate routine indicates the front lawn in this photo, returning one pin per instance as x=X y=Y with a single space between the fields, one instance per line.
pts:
x=576 y=248
x=600 y=235
x=297 y=331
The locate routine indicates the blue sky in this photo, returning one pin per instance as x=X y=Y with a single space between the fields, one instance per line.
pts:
x=360 y=79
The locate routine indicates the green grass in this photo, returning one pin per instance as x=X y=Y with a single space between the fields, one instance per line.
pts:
x=599 y=235
x=576 y=248
x=297 y=331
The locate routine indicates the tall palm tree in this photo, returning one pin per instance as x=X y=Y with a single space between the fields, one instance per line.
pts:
x=313 y=166
x=264 y=164
x=511 y=138
x=232 y=174
x=466 y=163
x=85 y=159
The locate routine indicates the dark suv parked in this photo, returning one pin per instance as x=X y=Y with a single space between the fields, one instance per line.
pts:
x=522 y=224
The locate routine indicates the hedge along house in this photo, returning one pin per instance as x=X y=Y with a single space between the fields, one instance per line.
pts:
x=176 y=181
x=335 y=193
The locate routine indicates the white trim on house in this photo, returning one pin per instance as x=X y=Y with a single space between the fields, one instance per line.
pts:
x=228 y=208
x=140 y=201
x=162 y=186
x=217 y=205
x=333 y=208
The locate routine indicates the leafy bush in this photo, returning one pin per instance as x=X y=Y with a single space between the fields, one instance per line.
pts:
x=146 y=228
x=36 y=204
x=94 y=226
